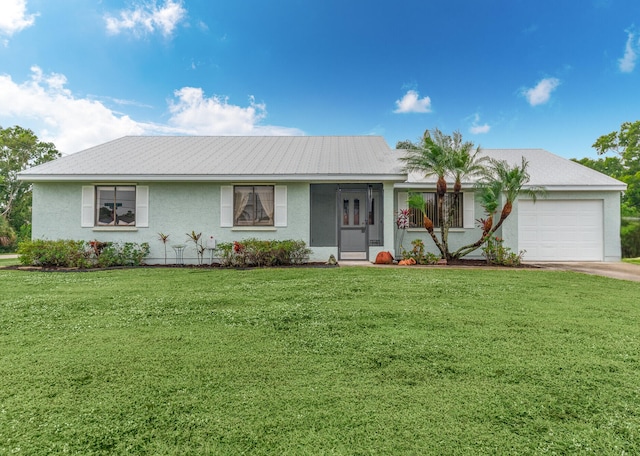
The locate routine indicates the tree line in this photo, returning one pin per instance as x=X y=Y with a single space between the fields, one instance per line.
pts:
x=20 y=149
x=623 y=165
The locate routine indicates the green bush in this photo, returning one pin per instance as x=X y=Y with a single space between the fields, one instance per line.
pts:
x=122 y=254
x=81 y=254
x=51 y=254
x=496 y=253
x=7 y=235
x=24 y=232
x=259 y=253
x=418 y=253
x=630 y=238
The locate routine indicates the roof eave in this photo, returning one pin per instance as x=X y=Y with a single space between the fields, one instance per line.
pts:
x=211 y=177
x=550 y=188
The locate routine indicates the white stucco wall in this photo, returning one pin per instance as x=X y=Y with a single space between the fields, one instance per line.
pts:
x=177 y=209
x=174 y=209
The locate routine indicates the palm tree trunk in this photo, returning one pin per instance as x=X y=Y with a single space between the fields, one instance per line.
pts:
x=441 y=186
x=467 y=249
x=506 y=210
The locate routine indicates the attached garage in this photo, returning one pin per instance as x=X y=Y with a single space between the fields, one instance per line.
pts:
x=561 y=230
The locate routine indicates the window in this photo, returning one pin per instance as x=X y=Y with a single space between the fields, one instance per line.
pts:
x=107 y=206
x=253 y=205
x=450 y=202
x=115 y=206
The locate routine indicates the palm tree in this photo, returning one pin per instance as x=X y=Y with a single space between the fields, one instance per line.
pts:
x=513 y=179
x=488 y=195
x=442 y=155
x=464 y=161
x=500 y=180
x=430 y=158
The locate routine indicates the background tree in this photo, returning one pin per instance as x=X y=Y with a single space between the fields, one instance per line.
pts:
x=20 y=149
x=625 y=166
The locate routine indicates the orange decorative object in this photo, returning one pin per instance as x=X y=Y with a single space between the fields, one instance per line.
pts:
x=407 y=262
x=384 y=258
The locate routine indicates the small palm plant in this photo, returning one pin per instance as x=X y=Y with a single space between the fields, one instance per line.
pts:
x=196 y=238
x=164 y=238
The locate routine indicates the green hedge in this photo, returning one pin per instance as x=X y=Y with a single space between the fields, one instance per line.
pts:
x=258 y=253
x=7 y=236
x=64 y=253
x=630 y=238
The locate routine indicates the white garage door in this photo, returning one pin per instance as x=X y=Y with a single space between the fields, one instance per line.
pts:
x=561 y=230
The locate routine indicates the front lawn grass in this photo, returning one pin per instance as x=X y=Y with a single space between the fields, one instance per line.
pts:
x=318 y=361
x=8 y=262
x=631 y=260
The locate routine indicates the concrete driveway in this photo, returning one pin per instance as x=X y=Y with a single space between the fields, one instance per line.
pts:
x=615 y=270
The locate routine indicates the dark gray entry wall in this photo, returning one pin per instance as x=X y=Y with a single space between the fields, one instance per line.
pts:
x=324 y=229
x=330 y=210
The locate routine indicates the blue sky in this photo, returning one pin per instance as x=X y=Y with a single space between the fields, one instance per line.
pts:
x=552 y=74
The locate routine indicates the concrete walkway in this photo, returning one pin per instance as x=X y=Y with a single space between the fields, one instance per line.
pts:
x=615 y=270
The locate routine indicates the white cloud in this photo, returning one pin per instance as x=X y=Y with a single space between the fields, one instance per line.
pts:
x=478 y=129
x=14 y=17
x=627 y=63
x=147 y=18
x=541 y=93
x=46 y=106
x=70 y=123
x=411 y=102
x=195 y=114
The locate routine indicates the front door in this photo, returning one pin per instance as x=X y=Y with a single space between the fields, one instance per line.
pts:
x=354 y=241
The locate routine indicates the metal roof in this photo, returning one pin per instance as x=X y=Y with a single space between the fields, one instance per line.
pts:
x=285 y=158
x=227 y=157
x=545 y=170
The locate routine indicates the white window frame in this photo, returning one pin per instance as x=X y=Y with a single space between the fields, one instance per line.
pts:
x=280 y=218
x=89 y=201
x=248 y=202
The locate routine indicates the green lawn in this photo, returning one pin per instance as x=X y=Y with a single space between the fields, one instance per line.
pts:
x=319 y=361
x=8 y=262
x=632 y=260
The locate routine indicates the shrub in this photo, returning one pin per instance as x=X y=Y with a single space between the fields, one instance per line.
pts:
x=255 y=252
x=496 y=253
x=7 y=234
x=81 y=254
x=418 y=254
x=630 y=238
x=24 y=232
x=51 y=254
x=122 y=254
